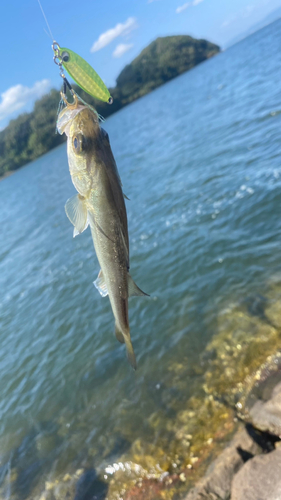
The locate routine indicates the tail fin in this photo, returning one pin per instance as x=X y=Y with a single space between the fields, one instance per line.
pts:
x=129 y=347
x=130 y=352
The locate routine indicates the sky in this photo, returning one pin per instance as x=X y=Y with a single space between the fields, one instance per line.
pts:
x=107 y=33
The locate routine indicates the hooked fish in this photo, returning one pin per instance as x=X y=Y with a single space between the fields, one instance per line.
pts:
x=100 y=204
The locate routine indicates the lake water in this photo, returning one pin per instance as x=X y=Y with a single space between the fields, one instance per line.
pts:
x=200 y=160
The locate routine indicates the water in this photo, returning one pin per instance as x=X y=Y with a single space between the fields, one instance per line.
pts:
x=199 y=159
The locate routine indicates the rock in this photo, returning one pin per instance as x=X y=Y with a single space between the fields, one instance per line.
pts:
x=239 y=348
x=64 y=491
x=266 y=416
x=148 y=489
x=262 y=407
x=259 y=478
x=273 y=313
x=66 y=477
x=216 y=484
x=47 y=495
x=49 y=485
x=90 y=487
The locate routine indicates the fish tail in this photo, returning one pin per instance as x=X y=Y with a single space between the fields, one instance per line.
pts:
x=130 y=352
x=129 y=347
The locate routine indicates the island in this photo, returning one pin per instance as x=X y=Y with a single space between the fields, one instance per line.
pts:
x=33 y=134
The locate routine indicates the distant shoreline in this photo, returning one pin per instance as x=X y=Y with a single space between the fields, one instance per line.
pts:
x=10 y=172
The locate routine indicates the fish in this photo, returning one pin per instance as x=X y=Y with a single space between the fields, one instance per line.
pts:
x=99 y=204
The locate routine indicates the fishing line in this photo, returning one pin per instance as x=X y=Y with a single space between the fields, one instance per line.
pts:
x=48 y=26
x=48 y=34
x=65 y=81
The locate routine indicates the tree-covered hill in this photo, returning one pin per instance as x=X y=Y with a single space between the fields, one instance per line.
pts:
x=159 y=62
x=33 y=134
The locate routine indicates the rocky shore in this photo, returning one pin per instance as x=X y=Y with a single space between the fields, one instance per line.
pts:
x=250 y=466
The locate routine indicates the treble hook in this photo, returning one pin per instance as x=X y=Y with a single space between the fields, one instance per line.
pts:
x=73 y=105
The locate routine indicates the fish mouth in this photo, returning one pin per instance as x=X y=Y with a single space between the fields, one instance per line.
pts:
x=65 y=118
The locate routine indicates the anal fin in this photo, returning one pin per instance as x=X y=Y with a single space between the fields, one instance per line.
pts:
x=134 y=290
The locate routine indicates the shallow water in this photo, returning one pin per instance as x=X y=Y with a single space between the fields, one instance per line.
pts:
x=199 y=159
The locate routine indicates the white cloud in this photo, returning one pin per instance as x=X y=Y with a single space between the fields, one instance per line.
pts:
x=120 y=29
x=181 y=8
x=121 y=49
x=18 y=96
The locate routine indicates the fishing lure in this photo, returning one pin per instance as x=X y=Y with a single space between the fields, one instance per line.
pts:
x=82 y=73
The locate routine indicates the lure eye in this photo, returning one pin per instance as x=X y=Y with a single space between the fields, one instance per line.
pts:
x=65 y=56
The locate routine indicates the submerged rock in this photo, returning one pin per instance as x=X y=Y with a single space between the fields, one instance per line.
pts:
x=90 y=487
x=242 y=344
x=82 y=485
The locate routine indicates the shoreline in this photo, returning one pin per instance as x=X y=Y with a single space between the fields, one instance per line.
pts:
x=10 y=172
x=249 y=466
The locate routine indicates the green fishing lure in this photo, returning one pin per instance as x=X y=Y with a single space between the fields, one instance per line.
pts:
x=82 y=73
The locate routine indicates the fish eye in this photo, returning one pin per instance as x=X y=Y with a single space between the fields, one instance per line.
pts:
x=65 y=56
x=77 y=144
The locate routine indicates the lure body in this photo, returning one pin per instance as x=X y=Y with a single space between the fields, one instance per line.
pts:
x=84 y=75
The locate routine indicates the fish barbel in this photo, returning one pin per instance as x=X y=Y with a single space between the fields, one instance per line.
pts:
x=100 y=204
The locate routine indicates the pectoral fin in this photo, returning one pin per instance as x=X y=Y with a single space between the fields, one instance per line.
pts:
x=134 y=290
x=101 y=285
x=76 y=211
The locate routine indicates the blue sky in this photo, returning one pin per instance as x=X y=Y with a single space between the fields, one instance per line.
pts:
x=107 y=33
